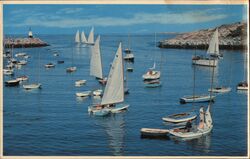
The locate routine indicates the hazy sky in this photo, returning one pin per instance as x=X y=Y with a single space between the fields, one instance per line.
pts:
x=66 y=19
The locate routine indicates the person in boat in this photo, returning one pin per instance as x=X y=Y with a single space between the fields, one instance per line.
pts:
x=202 y=113
x=201 y=124
x=188 y=126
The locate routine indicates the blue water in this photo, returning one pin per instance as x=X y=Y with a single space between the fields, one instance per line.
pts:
x=52 y=121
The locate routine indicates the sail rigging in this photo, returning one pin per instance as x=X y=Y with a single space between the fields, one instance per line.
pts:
x=114 y=90
x=96 y=60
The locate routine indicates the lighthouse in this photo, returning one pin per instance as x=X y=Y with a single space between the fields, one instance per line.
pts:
x=30 y=35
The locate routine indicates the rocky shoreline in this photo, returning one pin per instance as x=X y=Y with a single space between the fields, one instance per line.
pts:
x=231 y=36
x=24 y=42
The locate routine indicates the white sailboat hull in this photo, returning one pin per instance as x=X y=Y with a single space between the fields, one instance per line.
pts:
x=192 y=134
x=205 y=62
x=80 y=83
x=220 y=90
x=242 y=88
x=119 y=107
x=32 y=86
x=152 y=76
x=83 y=94
x=197 y=99
x=180 y=117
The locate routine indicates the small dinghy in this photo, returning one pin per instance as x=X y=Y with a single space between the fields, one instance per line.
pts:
x=32 y=86
x=242 y=85
x=97 y=92
x=118 y=108
x=196 y=99
x=180 y=117
x=71 y=69
x=83 y=94
x=79 y=83
x=154 y=132
x=12 y=83
x=99 y=111
x=56 y=54
x=49 y=65
x=220 y=89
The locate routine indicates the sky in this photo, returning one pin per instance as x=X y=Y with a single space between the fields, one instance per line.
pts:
x=141 y=19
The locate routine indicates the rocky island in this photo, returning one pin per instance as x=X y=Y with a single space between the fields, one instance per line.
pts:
x=30 y=41
x=231 y=36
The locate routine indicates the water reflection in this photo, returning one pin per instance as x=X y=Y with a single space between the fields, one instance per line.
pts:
x=114 y=126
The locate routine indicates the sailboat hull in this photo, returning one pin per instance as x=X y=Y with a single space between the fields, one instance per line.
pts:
x=205 y=62
x=180 y=117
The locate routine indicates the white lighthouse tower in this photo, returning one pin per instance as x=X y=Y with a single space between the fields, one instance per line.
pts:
x=30 y=33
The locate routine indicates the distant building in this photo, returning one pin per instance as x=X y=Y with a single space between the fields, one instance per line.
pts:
x=30 y=35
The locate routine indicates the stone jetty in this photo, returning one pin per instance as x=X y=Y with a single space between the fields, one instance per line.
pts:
x=231 y=36
x=23 y=42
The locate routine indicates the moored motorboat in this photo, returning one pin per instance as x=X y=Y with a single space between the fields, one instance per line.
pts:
x=8 y=71
x=22 y=78
x=21 y=54
x=129 y=57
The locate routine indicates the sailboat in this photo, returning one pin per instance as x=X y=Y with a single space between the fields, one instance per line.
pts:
x=77 y=37
x=205 y=125
x=152 y=74
x=83 y=38
x=34 y=85
x=129 y=55
x=91 y=37
x=213 y=50
x=71 y=68
x=113 y=96
x=243 y=85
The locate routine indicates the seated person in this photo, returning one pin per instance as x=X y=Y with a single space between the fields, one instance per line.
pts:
x=201 y=124
x=188 y=126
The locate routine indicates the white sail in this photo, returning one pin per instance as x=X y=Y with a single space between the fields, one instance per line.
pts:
x=208 y=118
x=152 y=68
x=77 y=37
x=91 y=36
x=214 y=44
x=84 y=40
x=114 y=90
x=95 y=60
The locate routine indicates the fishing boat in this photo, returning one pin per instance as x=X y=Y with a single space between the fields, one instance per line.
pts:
x=242 y=85
x=220 y=89
x=80 y=83
x=97 y=92
x=113 y=96
x=152 y=74
x=49 y=65
x=83 y=94
x=195 y=132
x=77 y=37
x=196 y=98
x=91 y=37
x=180 y=117
x=12 y=83
x=213 y=50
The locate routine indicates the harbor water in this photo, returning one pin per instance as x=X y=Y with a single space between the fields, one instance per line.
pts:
x=52 y=121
